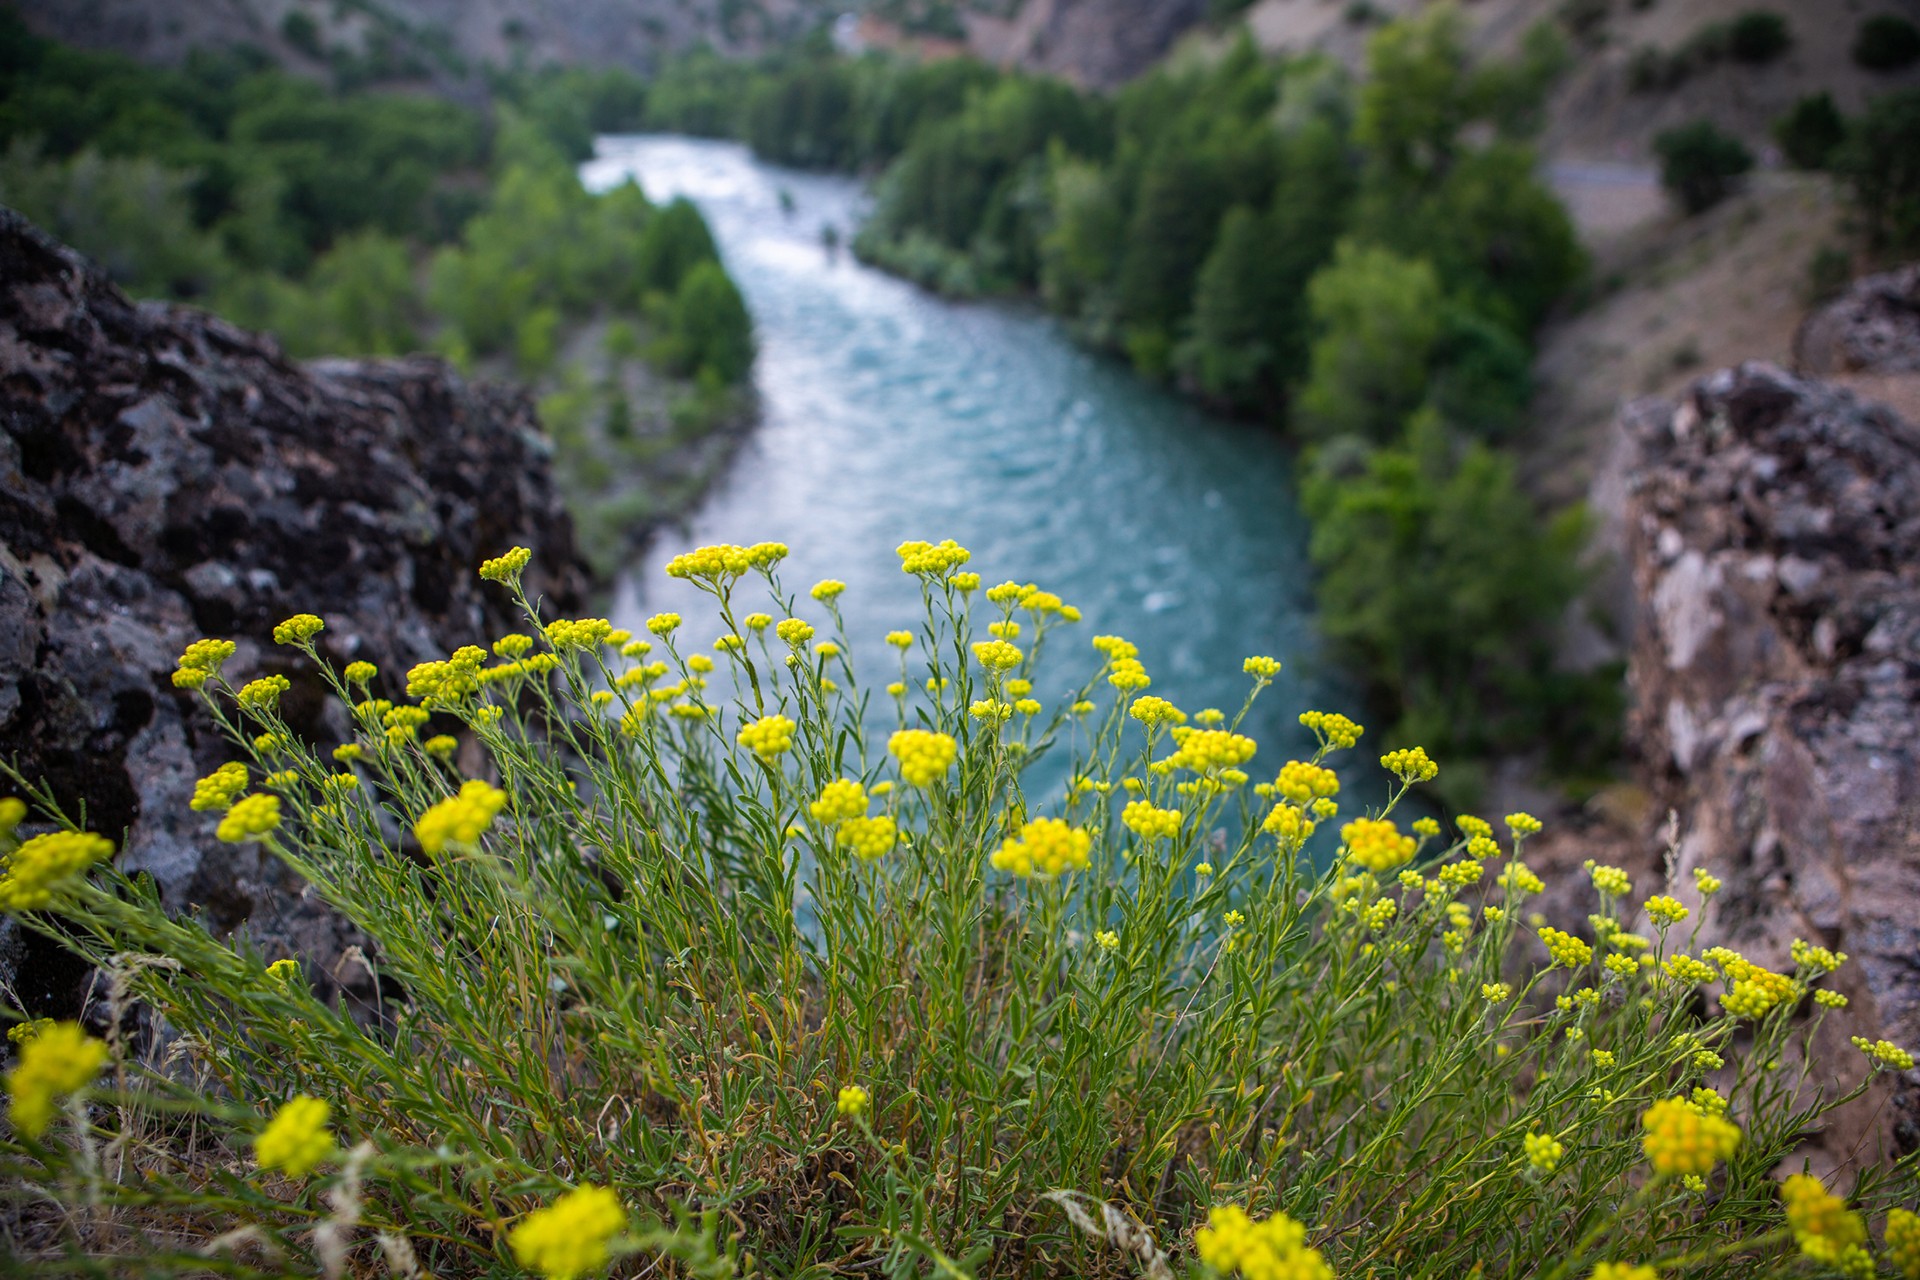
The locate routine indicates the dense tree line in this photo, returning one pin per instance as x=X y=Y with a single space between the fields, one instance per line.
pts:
x=1361 y=260
x=360 y=222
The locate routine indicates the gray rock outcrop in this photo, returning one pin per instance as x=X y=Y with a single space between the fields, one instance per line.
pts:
x=1773 y=532
x=165 y=476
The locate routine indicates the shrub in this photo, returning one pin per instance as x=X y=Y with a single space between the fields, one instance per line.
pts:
x=1811 y=131
x=1758 y=35
x=1378 y=317
x=1881 y=163
x=1699 y=164
x=1886 y=42
x=696 y=967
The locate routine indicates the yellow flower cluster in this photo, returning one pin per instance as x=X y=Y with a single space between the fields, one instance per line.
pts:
x=1044 y=847
x=1458 y=875
x=578 y=633
x=663 y=624
x=867 y=838
x=1331 y=728
x=201 y=661
x=1823 y=1226
x=216 y=792
x=1819 y=959
x=1261 y=668
x=507 y=567
x=1522 y=825
x=1623 y=1271
x=1288 y=825
x=361 y=673
x=1519 y=878
x=1611 y=881
x=263 y=695
x=1151 y=711
x=1273 y=1249
x=1885 y=1052
x=852 y=1101
x=996 y=655
x=460 y=820
x=1565 y=948
x=1129 y=675
x=769 y=736
x=1497 y=992
x=1150 y=822
x=1680 y=1138
x=1706 y=883
x=448 y=683
x=1684 y=969
x=57 y=1061
x=250 y=818
x=1303 y=783
x=828 y=589
x=1903 y=1242
x=1410 y=765
x=513 y=645
x=794 y=631
x=298 y=629
x=924 y=757
x=1209 y=750
x=1376 y=844
x=296 y=1140
x=1544 y=1151
x=839 y=800
x=932 y=560
x=1664 y=910
x=570 y=1237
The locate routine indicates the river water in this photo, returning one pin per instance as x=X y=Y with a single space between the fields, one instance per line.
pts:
x=891 y=414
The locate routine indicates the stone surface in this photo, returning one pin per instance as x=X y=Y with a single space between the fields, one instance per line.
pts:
x=1874 y=327
x=165 y=476
x=1772 y=529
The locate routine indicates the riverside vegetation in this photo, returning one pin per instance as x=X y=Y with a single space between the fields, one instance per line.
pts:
x=1361 y=262
x=685 y=974
x=368 y=223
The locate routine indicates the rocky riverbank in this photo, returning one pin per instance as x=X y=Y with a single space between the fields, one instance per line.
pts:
x=164 y=475
x=1768 y=523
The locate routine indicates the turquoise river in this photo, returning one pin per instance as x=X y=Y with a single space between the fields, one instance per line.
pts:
x=891 y=414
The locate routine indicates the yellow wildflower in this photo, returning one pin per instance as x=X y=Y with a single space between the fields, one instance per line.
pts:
x=462 y=819
x=1045 y=847
x=852 y=1101
x=931 y=560
x=1566 y=949
x=506 y=568
x=296 y=1139
x=250 y=818
x=1884 y=1053
x=1664 y=910
x=1150 y=822
x=1332 y=729
x=839 y=800
x=58 y=1060
x=996 y=655
x=1623 y=1271
x=1261 y=668
x=1411 y=765
x=1679 y=1139
x=1903 y=1242
x=298 y=629
x=570 y=1237
x=924 y=757
x=867 y=838
x=1376 y=844
x=1544 y=1151
x=769 y=736
x=1272 y=1249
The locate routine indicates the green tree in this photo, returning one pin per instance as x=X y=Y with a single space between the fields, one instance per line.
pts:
x=1435 y=571
x=1881 y=163
x=712 y=333
x=676 y=241
x=1886 y=42
x=1378 y=318
x=1699 y=165
x=1811 y=131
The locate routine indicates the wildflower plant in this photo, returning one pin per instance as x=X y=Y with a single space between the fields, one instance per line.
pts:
x=695 y=968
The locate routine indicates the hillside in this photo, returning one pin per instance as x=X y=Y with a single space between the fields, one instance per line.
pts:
x=444 y=41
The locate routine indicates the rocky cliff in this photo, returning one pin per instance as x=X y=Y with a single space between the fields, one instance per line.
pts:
x=165 y=476
x=1772 y=529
